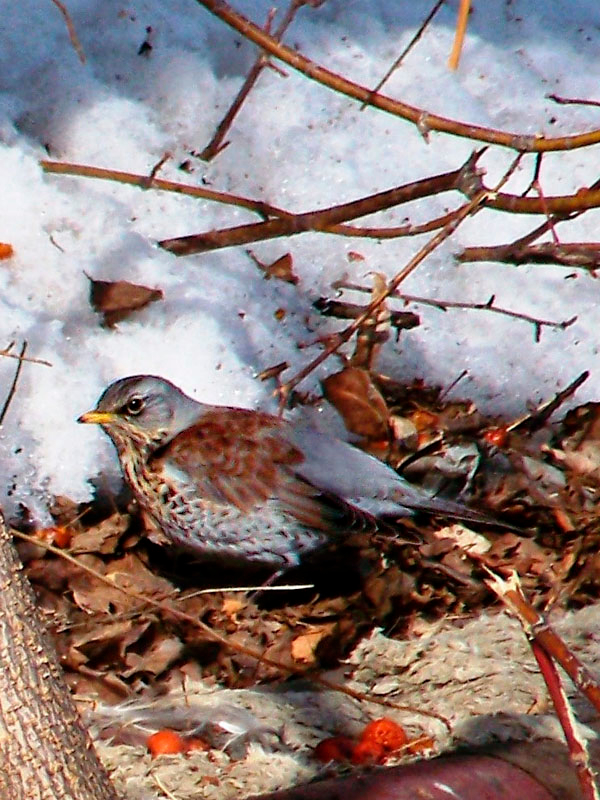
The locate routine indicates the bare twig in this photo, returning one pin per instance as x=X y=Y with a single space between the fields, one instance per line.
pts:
x=537 y=418
x=579 y=755
x=319 y=220
x=572 y=101
x=444 y=305
x=13 y=386
x=216 y=144
x=7 y=354
x=536 y=627
x=71 y=29
x=549 y=647
x=281 y=222
x=131 y=178
x=584 y=255
x=407 y=49
x=468 y=209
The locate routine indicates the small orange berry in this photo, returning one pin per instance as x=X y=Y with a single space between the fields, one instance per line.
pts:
x=165 y=742
x=386 y=733
x=496 y=436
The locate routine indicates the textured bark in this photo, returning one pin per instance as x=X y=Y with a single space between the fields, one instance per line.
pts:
x=45 y=753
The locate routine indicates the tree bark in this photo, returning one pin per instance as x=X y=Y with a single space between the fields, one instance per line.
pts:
x=45 y=752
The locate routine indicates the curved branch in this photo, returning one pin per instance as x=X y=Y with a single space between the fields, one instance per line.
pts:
x=424 y=120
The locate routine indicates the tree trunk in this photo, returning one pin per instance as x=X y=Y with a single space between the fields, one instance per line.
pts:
x=45 y=752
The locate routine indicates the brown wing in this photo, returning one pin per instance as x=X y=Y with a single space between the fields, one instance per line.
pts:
x=244 y=458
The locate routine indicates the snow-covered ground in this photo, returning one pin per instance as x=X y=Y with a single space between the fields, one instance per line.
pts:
x=297 y=145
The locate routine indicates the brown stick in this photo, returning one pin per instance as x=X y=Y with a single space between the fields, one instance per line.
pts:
x=585 y=255
x=468 y=209
x=536 y=627
x=407 y=49
x=319 y=220
x=579 y=755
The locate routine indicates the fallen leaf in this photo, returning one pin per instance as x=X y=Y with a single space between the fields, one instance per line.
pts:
x=304 y=647
x=115 y=300
x=360 y=403
x=282 y=268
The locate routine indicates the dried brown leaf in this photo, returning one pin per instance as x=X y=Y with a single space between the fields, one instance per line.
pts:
x=115 y=300
x=375 y=330
x=304 y=647
x=156 y=658
x=103 y=537
x=360 y=403
x=282 y=268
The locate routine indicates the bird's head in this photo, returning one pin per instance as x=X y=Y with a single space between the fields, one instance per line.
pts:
x=144 y=411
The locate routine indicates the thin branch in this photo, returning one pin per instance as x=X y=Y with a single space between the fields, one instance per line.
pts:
x=423 y=119
x=537 y=417
x=407 y=49
x=536 y=627
x=265 y=210
x=579 y=755
x=572 y=101
x=319 y=220
x=280 y=222
x=7 y=354
x=142 y=182
x=13 y=386
x=584 y=255
x=71 y=29
x=444 y=305
x=467 y=181
x=476 y=204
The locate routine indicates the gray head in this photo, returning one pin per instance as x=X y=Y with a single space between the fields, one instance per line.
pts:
x=143 y=410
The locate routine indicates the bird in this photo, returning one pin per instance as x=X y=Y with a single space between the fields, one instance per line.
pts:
x=242 y=487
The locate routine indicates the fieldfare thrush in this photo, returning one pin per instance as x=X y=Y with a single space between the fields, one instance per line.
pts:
x=239 y=486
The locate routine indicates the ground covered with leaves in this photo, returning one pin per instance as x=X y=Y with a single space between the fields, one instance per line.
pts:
x=124 y=609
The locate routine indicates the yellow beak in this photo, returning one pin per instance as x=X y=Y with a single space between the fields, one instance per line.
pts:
x=97 y=417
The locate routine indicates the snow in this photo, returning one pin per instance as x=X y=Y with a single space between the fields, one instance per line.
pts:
x=297 y=145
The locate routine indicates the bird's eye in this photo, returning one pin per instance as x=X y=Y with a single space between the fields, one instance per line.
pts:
x=134 y=406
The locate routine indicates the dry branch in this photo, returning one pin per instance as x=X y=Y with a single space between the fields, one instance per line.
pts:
x=585 y=255
x=424 y=120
